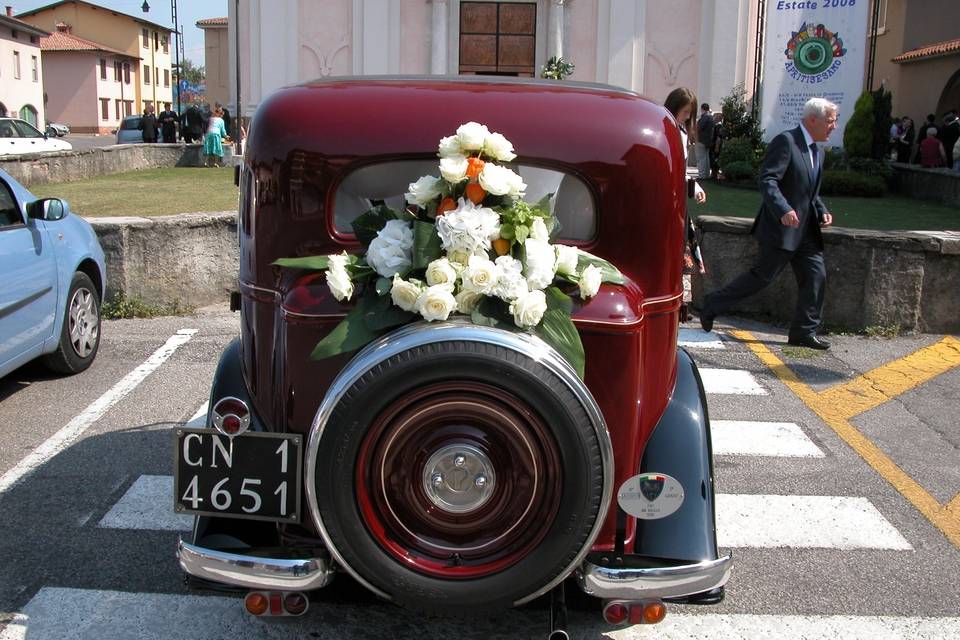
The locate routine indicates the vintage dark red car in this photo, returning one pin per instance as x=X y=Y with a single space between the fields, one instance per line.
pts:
x=449 y=466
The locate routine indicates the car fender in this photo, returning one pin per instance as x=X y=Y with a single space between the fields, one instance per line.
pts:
x=680 y=447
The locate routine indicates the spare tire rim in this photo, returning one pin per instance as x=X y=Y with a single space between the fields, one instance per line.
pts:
x=458 y=479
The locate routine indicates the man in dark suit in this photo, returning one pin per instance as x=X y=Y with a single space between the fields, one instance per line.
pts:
x=788 y=226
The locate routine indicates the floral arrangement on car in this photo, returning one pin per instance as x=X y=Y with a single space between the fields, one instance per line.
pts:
x=467 y=243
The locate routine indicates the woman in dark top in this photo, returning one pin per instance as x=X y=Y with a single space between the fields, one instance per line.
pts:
x=905 y=141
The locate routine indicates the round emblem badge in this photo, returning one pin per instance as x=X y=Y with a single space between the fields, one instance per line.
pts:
x=650 y=496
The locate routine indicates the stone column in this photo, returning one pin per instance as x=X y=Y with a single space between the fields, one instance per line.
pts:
x=438 y=46
x=555 y=29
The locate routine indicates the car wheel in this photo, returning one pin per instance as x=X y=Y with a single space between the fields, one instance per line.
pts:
x=80 y=335
x=459 y=477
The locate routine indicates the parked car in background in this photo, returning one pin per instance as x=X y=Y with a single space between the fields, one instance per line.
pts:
x=18 y=136
x=129 y=131
x=57 y=129
x=53 y=278
x=458 y=466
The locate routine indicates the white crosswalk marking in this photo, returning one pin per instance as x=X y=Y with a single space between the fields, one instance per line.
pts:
x=699 y=339
x=804 y=522
x=147 y=504
x=747 y=438
x=731 y=381
x=200 y=417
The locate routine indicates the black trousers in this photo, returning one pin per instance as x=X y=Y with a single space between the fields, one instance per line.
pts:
x=809 y=271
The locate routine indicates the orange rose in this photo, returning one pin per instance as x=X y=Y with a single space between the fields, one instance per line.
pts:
x=475 y=193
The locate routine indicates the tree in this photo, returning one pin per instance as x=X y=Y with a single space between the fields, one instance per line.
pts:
x=882 y=111
x=740 y=119
x=193 y=75
x=858 y=135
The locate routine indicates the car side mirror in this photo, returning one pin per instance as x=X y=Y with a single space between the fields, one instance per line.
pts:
x=49 y=209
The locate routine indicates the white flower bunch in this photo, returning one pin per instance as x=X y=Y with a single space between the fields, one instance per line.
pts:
x=474 y=137
x=390 y=252
x=468 y=229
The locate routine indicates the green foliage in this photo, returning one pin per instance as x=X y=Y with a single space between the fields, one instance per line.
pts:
x=858 y=135
x=191 y=73
x=871 y=167
x=739 y=171
x=882 y=119
x=556 y=69
x=851 y=183
x=883 y=331
x=740 y=119
x=123 y=307
x=739 y=150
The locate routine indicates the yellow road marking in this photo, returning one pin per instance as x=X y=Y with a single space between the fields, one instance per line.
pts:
x=837 y=405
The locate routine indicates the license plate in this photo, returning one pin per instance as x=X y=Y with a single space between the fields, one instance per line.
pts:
x=254 y=475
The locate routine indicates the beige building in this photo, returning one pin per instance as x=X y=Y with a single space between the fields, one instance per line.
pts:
x=21 y=71
x=147 y=43
x=216 y=60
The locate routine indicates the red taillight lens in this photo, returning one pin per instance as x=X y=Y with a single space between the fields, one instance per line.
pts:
x=256 y=603
x=231 y=424
x=230 y=416
x=615 y=613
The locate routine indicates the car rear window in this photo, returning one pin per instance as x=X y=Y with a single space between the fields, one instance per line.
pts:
x=131 y=123
x=572 y=203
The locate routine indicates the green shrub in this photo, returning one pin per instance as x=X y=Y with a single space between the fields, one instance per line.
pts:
x=123 y=307
x=858 y=134
x=737 y=150
x=738 y=171
x=851 y=183
x=871 y=167
x=882 y=119
x=740 y=119
x=834 y=160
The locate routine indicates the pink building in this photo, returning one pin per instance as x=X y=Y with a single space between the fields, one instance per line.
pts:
x=89 y=85
x=21 y=75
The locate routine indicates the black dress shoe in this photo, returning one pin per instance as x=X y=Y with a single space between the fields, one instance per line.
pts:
x=811 y=342
x=706 y=321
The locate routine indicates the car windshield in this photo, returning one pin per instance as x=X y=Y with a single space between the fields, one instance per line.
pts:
x=130 y=123
x=26 y=130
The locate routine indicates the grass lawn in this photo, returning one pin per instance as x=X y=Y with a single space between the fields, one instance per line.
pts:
x=151 y=192
x=888 y=212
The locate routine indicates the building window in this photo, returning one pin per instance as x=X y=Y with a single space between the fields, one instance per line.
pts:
x=146 y=39
x=498 y=38
x=116 y=107
x=117 y=71
x=166 y=77
x=165 y=41
x=146 y=74
x=34 y=39
x=103 y=69
x=126 y=73
x=29 y=114
x=128 y=107
x=156 y=40
x=104 y=108
x=16 y=65
x=13 y=34
x=881 y=8
x=35 y=68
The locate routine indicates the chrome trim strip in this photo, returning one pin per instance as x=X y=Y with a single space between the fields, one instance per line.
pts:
x=422 y=333
x=654 y=582
x=254 y=572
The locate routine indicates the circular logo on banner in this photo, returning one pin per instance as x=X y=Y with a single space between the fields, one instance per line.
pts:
x=650 y=496
x=813 y=50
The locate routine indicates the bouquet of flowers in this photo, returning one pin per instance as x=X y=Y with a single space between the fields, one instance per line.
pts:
x=467 y=243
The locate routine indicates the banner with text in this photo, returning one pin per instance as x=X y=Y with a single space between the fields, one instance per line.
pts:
x=814 y=48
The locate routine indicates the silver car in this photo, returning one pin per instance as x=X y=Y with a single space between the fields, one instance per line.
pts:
x=129 y=131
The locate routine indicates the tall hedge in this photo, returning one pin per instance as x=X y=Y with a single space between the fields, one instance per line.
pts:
x=858 y=136
x=882 y=119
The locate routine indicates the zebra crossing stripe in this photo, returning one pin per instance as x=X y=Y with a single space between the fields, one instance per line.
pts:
x=200 y=417
x=147 y=504
x=747 y=438
x=87 y=614
x=699 y=339
x=824 y=522
x=731 y=381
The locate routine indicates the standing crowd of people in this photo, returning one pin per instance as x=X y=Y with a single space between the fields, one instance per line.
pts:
x=934 y=145
x=199 y=123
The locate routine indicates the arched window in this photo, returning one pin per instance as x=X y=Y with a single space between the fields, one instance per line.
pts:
x=3 y=110
x=28 y=113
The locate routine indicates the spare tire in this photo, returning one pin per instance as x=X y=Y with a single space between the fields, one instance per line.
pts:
x=458 y=468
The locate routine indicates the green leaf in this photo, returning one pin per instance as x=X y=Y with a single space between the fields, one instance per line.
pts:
x=609 y=272
x=426 y=244
x=493 y=312
x=558 y=331
x=317 y=263
x=557 y=299
x=522 y=232
x=351 y=334
x=506 y=231
x=383 y=286
x=368 y=224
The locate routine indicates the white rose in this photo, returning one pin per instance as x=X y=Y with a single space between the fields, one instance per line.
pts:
x=449 y=146
x=567 y=258
x=498 y=180
x=467 y=301
x=590 y=281
x=499 y=148
x=338 y=260
x=454 y=168
x=528 y=310
x=540 y=263
x=511 y=283
x=436 y=302
x=517 y=186
x=391 y=251
x=480 y=275
x=423 y=190
x=341 y=286
x=472 y=135
x=467 y=230
x=441 y=272
x=538 y=230
x=404 y=293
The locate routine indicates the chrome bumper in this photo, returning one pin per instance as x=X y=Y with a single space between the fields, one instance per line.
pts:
x=253 y=571
x=654 y=582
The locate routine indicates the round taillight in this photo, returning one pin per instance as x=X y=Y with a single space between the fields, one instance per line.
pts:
x=654 y=612
x=230 y=416
x=256 y=603
x=615 y=613
x=231 y=424
x=295 y=603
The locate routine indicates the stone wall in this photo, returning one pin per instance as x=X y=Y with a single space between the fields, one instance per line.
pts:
x=942 y=185
x=80 y=164
x=191 y=258
x=874 y=278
